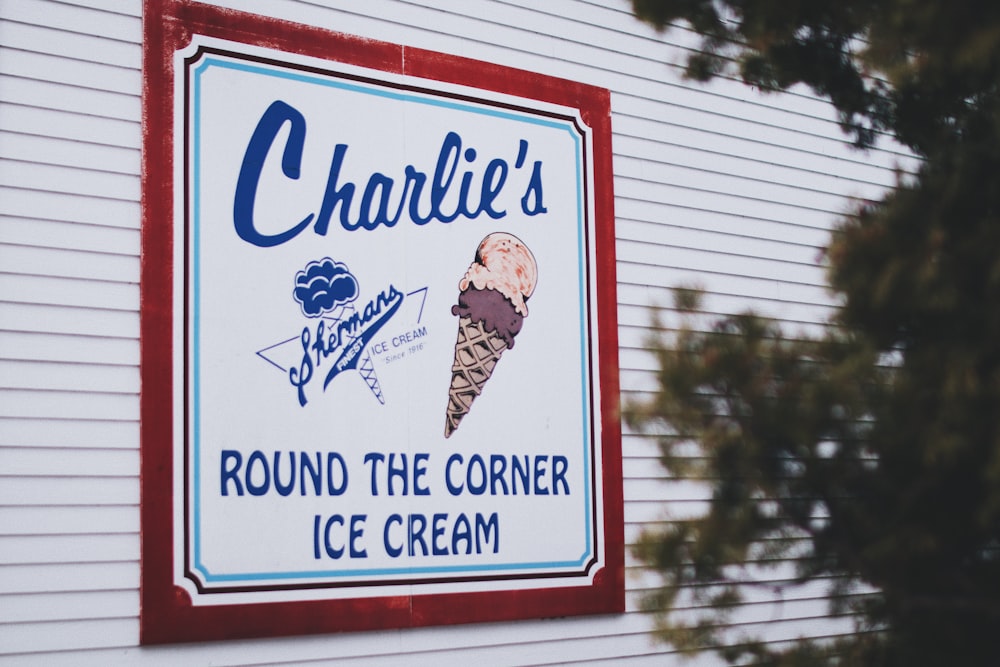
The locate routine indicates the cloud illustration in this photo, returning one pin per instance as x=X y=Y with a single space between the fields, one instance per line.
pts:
x=323 y=285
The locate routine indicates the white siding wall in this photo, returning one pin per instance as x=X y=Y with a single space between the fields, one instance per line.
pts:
x=717 y=186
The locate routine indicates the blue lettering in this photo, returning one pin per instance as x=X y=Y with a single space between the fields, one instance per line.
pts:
x=531 y=202
x=485 y=529
x=245 y=197
x=519 y=471
x=306 y=466
x=477 y=488
x=507 y=475
x=422 y=200
x=331 y=551
x=418 y=180
x=397 y=469
x=331 y=458
x=373 y=459
x=397 y=472
x=316 y=520
x=498 y=466
x=493 y=181
x=357 y=530
x=257 y=475
x=300 y=376
x=416 y=530
x=437 y=531
x=355 y=533
x=383 y=185
x=393 y=551
x=230 y=473
x=257 y=457
x=453 y=489
x=419 y=471
x=284 y=489
x=334 y=196
x=462 y=532
x=559 y=467
x=373 y=319
x=442 y=181
x=480 y=534
x=540 y=462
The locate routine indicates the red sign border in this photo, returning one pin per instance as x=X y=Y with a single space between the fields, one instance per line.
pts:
x=167 y=614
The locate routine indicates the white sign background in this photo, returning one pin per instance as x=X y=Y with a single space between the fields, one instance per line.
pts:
x=240 y=327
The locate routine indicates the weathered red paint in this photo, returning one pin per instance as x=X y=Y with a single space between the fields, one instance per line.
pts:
x=166 y=611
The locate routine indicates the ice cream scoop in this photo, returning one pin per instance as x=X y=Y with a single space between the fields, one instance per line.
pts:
x=491 y=309
x=503 y=263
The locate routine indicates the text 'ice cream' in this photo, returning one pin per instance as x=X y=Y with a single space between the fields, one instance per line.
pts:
x=491 y=309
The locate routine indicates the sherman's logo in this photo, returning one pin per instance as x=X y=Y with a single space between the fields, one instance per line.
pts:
x=336 y=338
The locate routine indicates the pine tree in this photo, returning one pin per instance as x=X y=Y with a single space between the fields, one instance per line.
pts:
x=871 y=453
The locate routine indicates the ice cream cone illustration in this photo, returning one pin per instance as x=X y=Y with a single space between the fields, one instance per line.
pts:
x=365 y=365
x=491 y=309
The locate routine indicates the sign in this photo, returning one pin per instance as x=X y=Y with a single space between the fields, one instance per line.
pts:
x=379 y=336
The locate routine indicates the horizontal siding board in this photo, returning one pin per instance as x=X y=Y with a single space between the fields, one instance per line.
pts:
x=75 y=19
x=673 y=118
x=643 y=380
x=740 y=186
x=60 y=434
x=726 y=255
x=68 y=180
x=655 y=510
x=98 y=48
x=69 y=236
x=68 y=491
x=635 y=314
x=423 y=644
x=59 y=69
x=63 y=263
x=68 y=606
x=704 y=217
x=633 y=120
x=124 y=7
x=725 y=202
x=68 y=125
x=51 y=291
x=67 y=404
x=751 y=287
x=71 y=320
x=69 y=98
x=23 y=203
x=682 y=490
x=66 y=153
x=30 y=462
x=68 y=377
x=41 y=578
x=637 y=359
x=798 y=318
x=676 y=154
x=635 y=465
x=578 y=651
x=67 y=549
x=738 y=238
x=72 y=635
x=69 y=520
x=68 y=348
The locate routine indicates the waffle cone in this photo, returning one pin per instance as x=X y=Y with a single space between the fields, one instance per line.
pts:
x=476 y=354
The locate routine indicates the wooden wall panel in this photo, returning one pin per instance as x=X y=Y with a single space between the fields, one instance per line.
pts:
x=716 y=186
